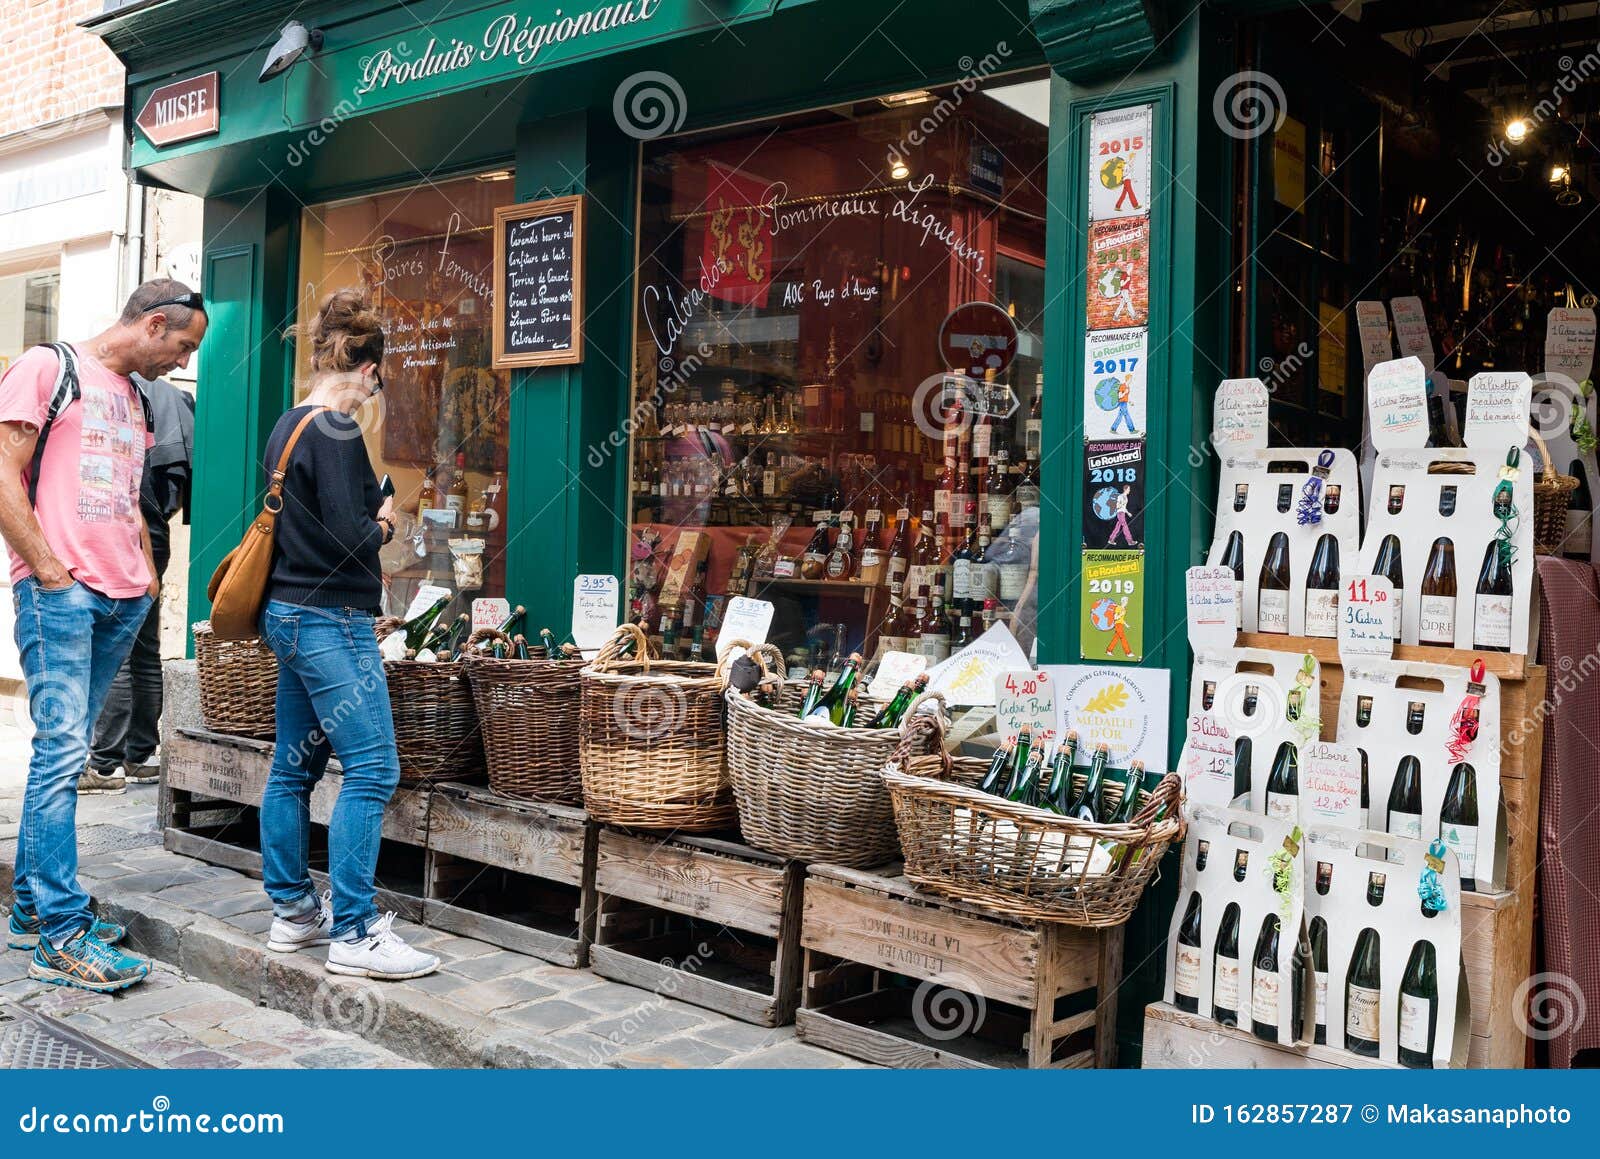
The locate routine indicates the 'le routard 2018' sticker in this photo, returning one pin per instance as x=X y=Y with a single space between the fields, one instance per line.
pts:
x=1113 y=493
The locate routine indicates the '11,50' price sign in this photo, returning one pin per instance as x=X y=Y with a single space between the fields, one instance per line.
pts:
x=1369 y=616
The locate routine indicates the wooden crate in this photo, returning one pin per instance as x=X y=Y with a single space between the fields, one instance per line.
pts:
x=703 y=919
x=1497 y=928
x=511 y=872
x=1175 y=1040
x=904 y=978
x=211 y=788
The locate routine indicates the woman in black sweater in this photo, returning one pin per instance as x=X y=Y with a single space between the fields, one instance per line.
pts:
x=325 y=589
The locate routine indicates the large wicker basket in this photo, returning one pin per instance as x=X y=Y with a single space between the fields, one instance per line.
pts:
x=651 y=740
x=811 y=792
x=238 y=684
x=435 y=721
x=528 y=710
x=1024 y=862
x=1551 y=491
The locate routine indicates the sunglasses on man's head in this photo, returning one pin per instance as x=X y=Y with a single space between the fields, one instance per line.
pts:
x=192 y=300
x=377 y=380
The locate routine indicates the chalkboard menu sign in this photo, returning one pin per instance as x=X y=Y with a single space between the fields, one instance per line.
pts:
x=538 y=269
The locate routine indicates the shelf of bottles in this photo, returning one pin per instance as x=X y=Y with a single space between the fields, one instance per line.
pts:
x=837 y=502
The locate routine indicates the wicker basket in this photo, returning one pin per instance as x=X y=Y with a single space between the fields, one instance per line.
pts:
x=435 y=721
x=1024 y=862
x=527 y=710
x=810 y=792
x=651 y=740
x=238 y=684
x=1551 y=491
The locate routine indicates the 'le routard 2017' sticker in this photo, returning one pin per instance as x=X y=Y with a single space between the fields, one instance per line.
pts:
x=1113 y=494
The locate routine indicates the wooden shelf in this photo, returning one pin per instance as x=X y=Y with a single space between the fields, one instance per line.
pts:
x=1505 y=665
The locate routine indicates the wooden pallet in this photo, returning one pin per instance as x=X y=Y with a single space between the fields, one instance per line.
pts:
x=1497 y=928
x=703 y=919
x=1175 y=1040
x=514 y=873
x=211 y=790
x=904 y=978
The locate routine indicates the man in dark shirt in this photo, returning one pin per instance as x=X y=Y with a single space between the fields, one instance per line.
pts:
x=128 y=731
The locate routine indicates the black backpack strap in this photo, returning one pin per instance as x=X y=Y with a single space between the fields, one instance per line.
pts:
x=66 y=390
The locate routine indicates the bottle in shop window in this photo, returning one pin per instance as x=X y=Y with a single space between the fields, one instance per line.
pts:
x=1404 y=817
x=874 y=547
x=997 y=489
x=925 y=559
x=1436 y=609
x=1419 y=1007
x=1186 y=969
x=1225 y=970
x=991 y=613
x=900 y=548
x=935 y=631
x=1233 y=557
x=1033 y=425
x=984 y=583
x=457 y=499
x=1266 y=984
x=427 y=495
x=1363 y=996
x=890 y=636
x=1387 y=564
x=1272 y=593
x=1058 y=794
x=1014 y=562
x=963 y=562
x=1491 y=605
x=1578 y=542
x=1458 y=822
x=841 y=557
x=964 y=633
x=814 y=560
x=1283 y=785
x=944 y=490
x=1322 y=589
x=1242 y=755
x=1027 y=493
x=1319 y=977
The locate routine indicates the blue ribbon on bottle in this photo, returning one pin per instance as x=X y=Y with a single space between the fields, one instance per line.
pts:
x=1429 y=888
x=1309 y=510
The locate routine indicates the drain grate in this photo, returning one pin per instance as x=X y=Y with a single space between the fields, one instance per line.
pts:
x=29 y=1041
x=94 y=839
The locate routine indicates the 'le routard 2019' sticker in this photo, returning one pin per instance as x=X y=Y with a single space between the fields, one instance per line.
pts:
x=1111 y=619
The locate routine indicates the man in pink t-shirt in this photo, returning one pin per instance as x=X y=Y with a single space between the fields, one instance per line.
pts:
x=82 y=581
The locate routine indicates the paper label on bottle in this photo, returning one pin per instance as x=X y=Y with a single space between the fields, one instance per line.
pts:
x=1033 y=437
x=1322 y=612
x=1321 y=986
x=1414 y=1023
x=1186 y=973
x=1366 y=817
x=985 y=581
x=1361 y=1012
x=980 y=440
x=1491 y=624
x=1283 y=806
x=1462 y=840
x=1579 y=540
x=1272 y=612
x=941 y=503
x=1264 y=996
x=1238 y=604
x=1013 y=578
x=999 y=511
x=916 y=577
x=1226 y=996
x=1436 y=620
x=961 y=579
x=1405 y=824
x=934 y=647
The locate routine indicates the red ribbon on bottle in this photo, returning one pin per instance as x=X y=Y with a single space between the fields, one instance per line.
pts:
x=1464 y=724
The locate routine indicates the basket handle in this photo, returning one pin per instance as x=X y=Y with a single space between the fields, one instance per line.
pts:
x=926 y=727
x=385 y=626
x=1548 y=469
x=759 y=652
x=611 y=651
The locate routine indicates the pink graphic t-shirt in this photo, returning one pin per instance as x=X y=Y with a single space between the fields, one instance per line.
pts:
x=88 y=501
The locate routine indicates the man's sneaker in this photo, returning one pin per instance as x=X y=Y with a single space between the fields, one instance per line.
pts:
x=109 y=782
x=146 y=774
x=22 y=931
x=287 y=936
x=381 y=955
x=87 y=963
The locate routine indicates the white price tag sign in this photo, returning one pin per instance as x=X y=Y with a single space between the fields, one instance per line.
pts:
x=894 y=669
x=427 y=595
x=1411 y=330
x=1239 y=416
x=1368 y=616
x=490 y=612
x=1569 y=341
x=1213 y=603
x=596 y=603
x=745 y=619
x=1207 y=762
x=1025 y=698
x=1497 y=410
x=1330 y=783
x=1397 y=401
x=1372 y=324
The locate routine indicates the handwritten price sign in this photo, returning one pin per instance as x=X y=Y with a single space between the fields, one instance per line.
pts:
x=1330 y=783
x=1207 y=761
x=1025 y=698
x=1369 y=617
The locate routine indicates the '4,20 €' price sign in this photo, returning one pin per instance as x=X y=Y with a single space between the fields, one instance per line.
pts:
x=1025 y=698
x=1369 y=616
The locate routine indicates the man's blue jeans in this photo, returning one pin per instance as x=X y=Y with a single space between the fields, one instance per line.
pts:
x=72 y=641
x=332 y=697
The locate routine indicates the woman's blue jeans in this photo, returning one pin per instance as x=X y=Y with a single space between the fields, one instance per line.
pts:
x=332 y=697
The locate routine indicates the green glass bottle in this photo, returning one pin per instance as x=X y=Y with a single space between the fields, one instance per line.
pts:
x=1243 y=750
x=1019 y=759
x=551 y=652
x=1266 y=985
x=813 y=693
x=1419 y=1007
x=1132 y=792
x=1363 y=996
x=1085 y=807
x=994 y=780
x=459 y=632
x=519 y=648
x=513 y=622
x=1026 y=790
x=1405 y=799
x=415 y=629
x=833 y=701
x=847 y=718
x=1058 y=793
x=892 y=713
x=1458 y=822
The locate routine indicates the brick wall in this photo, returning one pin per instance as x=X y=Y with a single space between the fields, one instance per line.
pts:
x=50 y=69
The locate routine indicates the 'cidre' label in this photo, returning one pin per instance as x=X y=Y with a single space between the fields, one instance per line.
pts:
x=1436 y=620
x=1414 y=1023
x=1361 y=1013
x=1272 y=612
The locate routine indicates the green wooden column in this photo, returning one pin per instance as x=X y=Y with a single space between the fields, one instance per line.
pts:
x=568 y=513
x=1176 y=69
x=243 y=369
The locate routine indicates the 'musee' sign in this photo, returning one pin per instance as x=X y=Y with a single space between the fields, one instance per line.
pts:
x=180 y=111
x=505 y=38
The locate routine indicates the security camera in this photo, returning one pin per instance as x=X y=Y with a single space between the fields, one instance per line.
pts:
x=292 y=44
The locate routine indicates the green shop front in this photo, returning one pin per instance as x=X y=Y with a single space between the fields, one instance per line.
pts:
x=904 y=318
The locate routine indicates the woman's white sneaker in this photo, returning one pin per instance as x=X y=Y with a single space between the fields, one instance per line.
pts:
x=382 y=954
x=287 y=936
